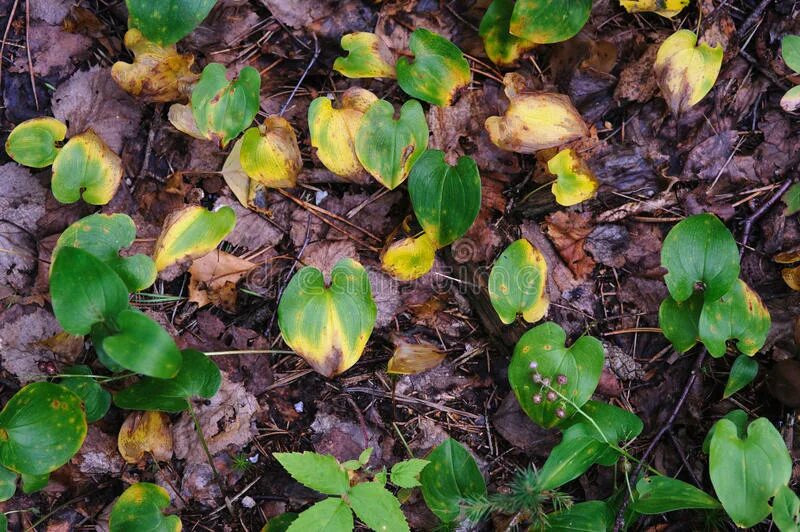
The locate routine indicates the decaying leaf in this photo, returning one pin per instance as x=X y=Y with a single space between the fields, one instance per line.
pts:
x=409 y=258
x=157 y=74
x=212 y=273
x=35 y=142
x=568 y=231
x=145 y=432
x=412 y=358
x=235 y=176
x=686 y=72
x=739 y=315
x=191 y=232
x=501 y=47
x=517 y=283
x=535 y=121
x=368 y=57
x=665 y=8
x=270 y=154
x=575 y=182
x=86 y=164
x=333 y=131
x=549 y=21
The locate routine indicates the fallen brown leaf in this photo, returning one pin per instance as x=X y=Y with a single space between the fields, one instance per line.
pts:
x=568 y=231
x=214 y=277
x=145 y=432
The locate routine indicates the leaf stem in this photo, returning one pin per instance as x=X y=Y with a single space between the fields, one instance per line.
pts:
x=202 y=439
x=250 y=352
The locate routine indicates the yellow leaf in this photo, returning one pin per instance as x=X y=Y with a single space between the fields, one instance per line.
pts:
x=86 y=165
x=791 y=276
x=145 y=432
x=665 y=8
x=158 y=73
x=410 y=359
x=368 y=57
x=534 y=121
x=192 y=232
x=270 y=154
x=333 y=131
x=410 y=258
x=212 y=273
x=686 y=72
x=575 y=181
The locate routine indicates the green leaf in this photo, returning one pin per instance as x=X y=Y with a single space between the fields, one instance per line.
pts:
x=792 y=198
x=368 y=57
x=446 y=199
x=143 y=346
x=328 y=327
x=34 y=483
x=700 y=250
x=280 y=523
x=549 y=21
x=377 y=507
x=501 y=47
x=790 y=50
x=35 y=142
x=41 y=427
x=199 y=376
x=167 y=21
x=589 y=516
x=786 y=510
x=388 y=148
x=86 y=166
x=658 y=494
x=743 y=371
x=747 y=472
x=222 y=109
x=517 y=283
x=103 y=236
x=405 y=474
x=439 y=70
x=616 y=424
x=790 y=101
x=84 y=291
x=191 y=233
x=3 y=523
x=96 y=400
x=679 y=322
x=737 y=417
x=739 y=315
x=451 y=477
x=320 y=472
x=8 y=483
x=270 y=154
x=329 y=515
x=574 y=372
x=140 y=507
x=363 y=458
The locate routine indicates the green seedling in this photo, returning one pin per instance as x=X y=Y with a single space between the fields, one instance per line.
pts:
x=140 y=507
x=549 y=21
x=517 y=283
x=743 y=371
x=36 y=142
x=438 y=71
x=270 y=154
x=786 y=510
x=167 y=21
x=191 y=233
x=328 y=326
x=451 y=479
x=368 y=57
x=790 y=51
x=502 y=48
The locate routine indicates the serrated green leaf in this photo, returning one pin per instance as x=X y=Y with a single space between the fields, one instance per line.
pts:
x=35 y=142
x=329 y=515
x=786 y=510
x=405 y=474
x=741 y=315
x=743 y=371
x=517 y=283
x=96 y=400
x=502 y=48
x=140 y=507
x=437 y=73
x=451 y=477
x=377 y=507
x=157 y=357
x=368 y=57
x=680 y=322
x=167 y=21
x=790 y=51
x=658 y=494
x=320 y=472
x=549 y=21
x=86 y=167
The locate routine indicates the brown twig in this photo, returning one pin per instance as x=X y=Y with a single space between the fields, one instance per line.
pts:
x=5 y=39
x=761 y=211
x=28 y=51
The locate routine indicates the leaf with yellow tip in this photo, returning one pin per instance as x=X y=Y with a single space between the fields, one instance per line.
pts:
x=140 y=508
x=328 y=326
x=35 y=142
x=333 y=131
x=410 y=359
x=145 y=433
x=270 y=154
x=192 y=232
x=517 y=283
x=549 y=21
x=410 y=258
x=368 y=57
x=502 y=48
x=575 y=182
x=535 y=121
x=665 y=8
x=790 y=101
x=739 y=315
x=686 y=72
x=157 y=74
x=86 y=164
x=437 y=73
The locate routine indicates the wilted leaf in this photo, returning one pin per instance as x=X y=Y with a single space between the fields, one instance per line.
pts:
x=535 y=121
x=96 y=400
x=235 y=176
x=388 y=148
x=665 y=8
x=167 y=21
x=36 y=142
x=328 y=327
x=409 y=258
x=739 y=315
x=437 y=73
x=192 y=232
x=686 y=72
x=368 y=57
x=549 y=21
x=451 y=477
x=157 y=357
x=333 y=131
x=158 y=73
x=210 y=273
x=575 y=182
x=140 y=508
x=679 y=322
x=568 y=231
x=410 y=359
x=743 y=371
x=85 y=164
x=501 y=47
x=270 y=154
x=517 y=283
x=145 y=432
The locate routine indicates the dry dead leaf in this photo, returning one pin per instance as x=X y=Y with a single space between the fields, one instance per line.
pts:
x=214 y=277
x=412 y=358
x=568 y=231
x=145 y=432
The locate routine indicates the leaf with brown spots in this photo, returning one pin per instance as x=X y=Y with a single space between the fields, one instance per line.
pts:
x=145 y=432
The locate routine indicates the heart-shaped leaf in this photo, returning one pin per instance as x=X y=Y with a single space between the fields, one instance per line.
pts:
x=86 y=164
x=786 y=510
x=270 y=154
x=190 y=233
x=198 y=377
x=437 y=73
x=41 y=427
x=542 y=365
x=665 y=8
x=328 y=327
x=167 y=21
x=84 y=291
x=35 y=142
x=451 y=477
x=748 y=471
x=333 y=131
x=104 y=235
x=34 y=483
x=738 y=315
x=700 y=252
x=743 y=371
x=222 y=109
x=409 y=258
x=143 y=346
x=549 y=21
x=684 y=71
x=145 y=433
x=790 y=51
x=575 y=182
x=679 y=322
x=517 y=283
x=446 y=199
x=368 y=57
x=96 y=400
x=502 y=48
x=534 y=121
x=157 y=74
x=658 y=495
x=140 y=507
x=388 y=148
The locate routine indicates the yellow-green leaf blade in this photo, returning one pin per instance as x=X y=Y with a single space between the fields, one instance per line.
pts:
x=190 y=233
x=35 y=142
x=86 y=163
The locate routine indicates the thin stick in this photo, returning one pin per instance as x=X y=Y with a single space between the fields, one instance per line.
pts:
x=250 y=352
x=202 y=439
x=753 y=218
x=28 y=50
x=303 y=76
x=5 y=38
